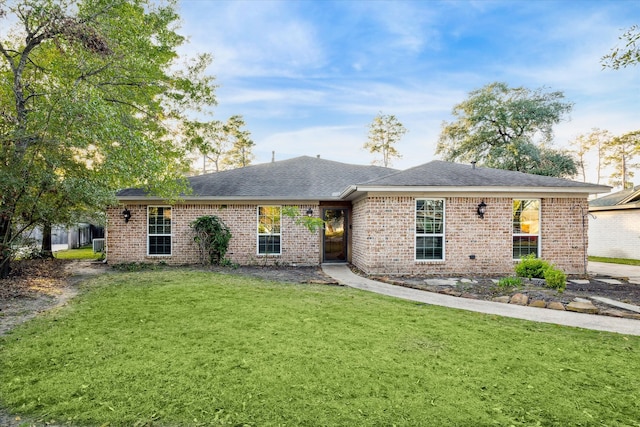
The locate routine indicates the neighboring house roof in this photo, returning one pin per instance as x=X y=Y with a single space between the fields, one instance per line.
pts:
x=446 y=176
x=300 y=178
x=624 y=199
x=310 y=178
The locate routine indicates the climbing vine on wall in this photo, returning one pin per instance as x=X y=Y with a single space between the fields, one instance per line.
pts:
x=212 y=236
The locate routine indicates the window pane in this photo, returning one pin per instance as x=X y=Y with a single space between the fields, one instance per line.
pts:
x=524 y=245
x=159 y=231
x=526 y=216
x=269 y=244
x=429 y=216
x=159 y=245
x=269 y=220
x=428 y=247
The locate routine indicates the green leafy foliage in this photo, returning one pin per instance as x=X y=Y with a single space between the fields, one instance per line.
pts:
x=90 y=95
x=212 y=236
x=510 y=282
x=536 y=268
x=555 y=279
x=508 y=128
x=311 y=223
x=531 y=267
x=629 y=54
x=384 y=133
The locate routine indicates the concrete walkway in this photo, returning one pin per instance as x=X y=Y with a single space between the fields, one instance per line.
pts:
x=630 y=272
x=343 y=275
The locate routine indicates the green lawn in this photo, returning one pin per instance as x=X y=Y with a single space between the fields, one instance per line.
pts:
x=81 y=253
x=179 y=347
x=615 y=260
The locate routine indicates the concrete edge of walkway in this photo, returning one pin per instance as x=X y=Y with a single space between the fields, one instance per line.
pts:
x=343 y=275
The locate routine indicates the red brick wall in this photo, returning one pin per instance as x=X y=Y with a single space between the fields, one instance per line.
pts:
x=384 y=236
x=128 y=242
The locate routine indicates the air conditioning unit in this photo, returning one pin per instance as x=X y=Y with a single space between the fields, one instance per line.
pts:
x=98 y=245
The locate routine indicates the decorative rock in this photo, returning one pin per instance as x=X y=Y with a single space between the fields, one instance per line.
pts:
x=582 y=307
x=538 y=303
x=451 y=292
x=577 y=299
x=519 y=299
x=580 y=281
x=610 y=281
x=505 y=299
x=555 y=305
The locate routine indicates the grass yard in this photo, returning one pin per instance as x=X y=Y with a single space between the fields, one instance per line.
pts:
x=626 y=261
x=80 y=253
x=179 y=347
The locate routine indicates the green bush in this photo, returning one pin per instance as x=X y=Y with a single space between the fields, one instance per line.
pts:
x=532 y=267
x=555 y=279
x=212 y=236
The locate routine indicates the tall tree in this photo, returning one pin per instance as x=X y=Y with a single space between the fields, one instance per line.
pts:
x=508 y=128
x=86 y=94
x=240 y=154
x=224 y=145
x=384 y=133
x=622 y=57
x=596 y=140
x=620 y=151
x=209 y=140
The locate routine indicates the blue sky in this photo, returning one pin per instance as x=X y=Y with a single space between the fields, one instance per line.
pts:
x=309 y=76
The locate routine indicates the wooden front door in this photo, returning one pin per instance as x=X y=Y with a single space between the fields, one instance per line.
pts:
x=334 y=235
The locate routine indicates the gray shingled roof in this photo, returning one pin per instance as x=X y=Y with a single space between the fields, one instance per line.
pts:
x=300 y=178
x=446 y=174
x=623 y=197
x=310 y=178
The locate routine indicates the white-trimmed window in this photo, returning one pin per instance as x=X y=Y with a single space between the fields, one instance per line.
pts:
x=269 y=230
x=429 y=229
x=159 y=230
x=526 y=228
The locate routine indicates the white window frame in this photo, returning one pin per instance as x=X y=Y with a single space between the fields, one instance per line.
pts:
x=170 y=235
x=441 y=235
x=259 y=234
x=538 y=234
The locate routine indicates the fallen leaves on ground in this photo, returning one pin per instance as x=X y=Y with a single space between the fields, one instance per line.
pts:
x=32 y=278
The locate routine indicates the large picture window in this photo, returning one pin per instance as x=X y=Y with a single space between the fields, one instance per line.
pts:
x=159 y=230
x=429 y=229
x=269 y=230
x=526 y=228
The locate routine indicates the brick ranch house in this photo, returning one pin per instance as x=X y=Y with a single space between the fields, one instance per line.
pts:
x=437 y=218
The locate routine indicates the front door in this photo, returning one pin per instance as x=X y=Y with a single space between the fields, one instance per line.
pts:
x=335 y=235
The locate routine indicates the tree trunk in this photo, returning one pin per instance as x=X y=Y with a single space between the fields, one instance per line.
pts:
x=46 y=240
x=5 y=247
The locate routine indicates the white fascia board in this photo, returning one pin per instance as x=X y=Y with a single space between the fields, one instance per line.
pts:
x=480 y=189
x=196 y=200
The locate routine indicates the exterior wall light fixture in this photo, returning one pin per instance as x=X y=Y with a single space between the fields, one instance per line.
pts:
x=309 y=212
x=126 y=214
x=482 y=208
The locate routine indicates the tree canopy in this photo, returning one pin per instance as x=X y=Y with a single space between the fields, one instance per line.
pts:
x=622 y=57
x=225 y=145
x=385 y=131
x=89 y=96
x=508 y=128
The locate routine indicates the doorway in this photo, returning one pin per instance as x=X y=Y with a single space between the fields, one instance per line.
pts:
x=334 y=235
